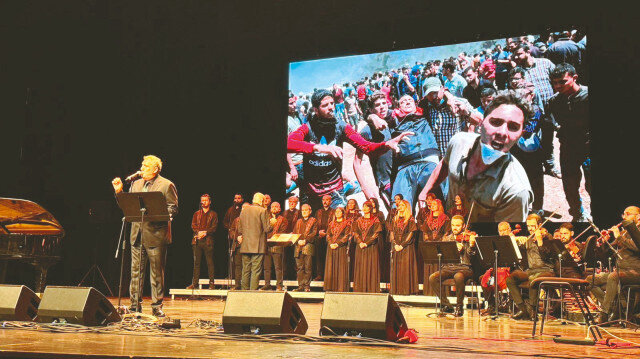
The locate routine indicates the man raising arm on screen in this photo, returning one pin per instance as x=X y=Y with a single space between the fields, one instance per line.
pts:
x=320 y=142
x=481 y=167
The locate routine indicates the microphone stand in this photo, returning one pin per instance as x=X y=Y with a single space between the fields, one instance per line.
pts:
x=349 y=265
x=391 y=264
x=123 y=242
x=230 y=261
x=143 y=210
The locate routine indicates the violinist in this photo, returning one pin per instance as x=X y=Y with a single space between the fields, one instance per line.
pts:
x=570 y=253
x=504 y=229
x=540 y=257
x=460 y=272
x=628 y=267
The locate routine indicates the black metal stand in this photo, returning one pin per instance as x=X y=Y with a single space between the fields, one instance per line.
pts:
x=349 y=265
x=140 y=207
x=496 y=251
x=441 y=253
x=496 y=291
x=123 y=242
x=231 y=265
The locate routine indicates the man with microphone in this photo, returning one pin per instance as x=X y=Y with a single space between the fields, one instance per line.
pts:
x=149 y=240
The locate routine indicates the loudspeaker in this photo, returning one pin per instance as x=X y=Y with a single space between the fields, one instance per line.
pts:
x=371 y=315
x=77 y=305
x=268 y=312
x=18 y=302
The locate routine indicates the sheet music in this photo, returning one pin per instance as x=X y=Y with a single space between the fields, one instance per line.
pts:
x=515 y=246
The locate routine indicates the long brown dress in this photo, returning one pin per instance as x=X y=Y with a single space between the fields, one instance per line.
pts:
x=404 y=267
x=433 y=229
x=366 y=275
x=336 y=268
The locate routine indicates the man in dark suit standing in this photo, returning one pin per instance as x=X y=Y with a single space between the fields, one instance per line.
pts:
x=253 y=226
x=151 y=238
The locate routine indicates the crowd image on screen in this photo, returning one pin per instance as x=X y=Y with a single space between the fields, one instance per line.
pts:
x=485 y=132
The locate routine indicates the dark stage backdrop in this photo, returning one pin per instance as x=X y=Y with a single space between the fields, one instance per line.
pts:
x=89 y=87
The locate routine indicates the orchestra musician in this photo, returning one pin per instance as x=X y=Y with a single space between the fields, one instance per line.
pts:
x=540 y=258
x=488 y=292
x=606 y=285
x=460 y=272
x=570 y=254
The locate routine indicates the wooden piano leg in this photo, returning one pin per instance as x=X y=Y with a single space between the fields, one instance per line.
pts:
x=41 y=276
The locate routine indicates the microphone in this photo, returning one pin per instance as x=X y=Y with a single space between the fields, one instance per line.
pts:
x=133 y=177
x=593 y=225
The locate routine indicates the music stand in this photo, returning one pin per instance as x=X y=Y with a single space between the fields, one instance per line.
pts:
x=498 y=251
x=140 y=207
x=440 y=253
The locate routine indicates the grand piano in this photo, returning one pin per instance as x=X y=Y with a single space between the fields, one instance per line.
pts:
x=30 y=234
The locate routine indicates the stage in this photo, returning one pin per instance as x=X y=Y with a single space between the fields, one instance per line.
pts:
x=466 y=337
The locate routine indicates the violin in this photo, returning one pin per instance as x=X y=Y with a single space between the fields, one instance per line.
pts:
x=517 y=229
x=573 y=250
x=465 y=236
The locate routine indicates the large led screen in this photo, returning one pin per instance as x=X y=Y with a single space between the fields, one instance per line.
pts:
x=498 y=128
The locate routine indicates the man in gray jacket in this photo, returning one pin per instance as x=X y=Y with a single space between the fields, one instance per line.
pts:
x=253 y=225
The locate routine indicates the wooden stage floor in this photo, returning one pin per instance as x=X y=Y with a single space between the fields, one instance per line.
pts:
x=468 y=337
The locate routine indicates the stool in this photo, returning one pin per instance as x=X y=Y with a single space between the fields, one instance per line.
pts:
x=577 y=287
x=474 y=291
x=629 y=288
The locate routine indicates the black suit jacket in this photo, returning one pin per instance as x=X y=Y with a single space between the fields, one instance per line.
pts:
x=155 y=234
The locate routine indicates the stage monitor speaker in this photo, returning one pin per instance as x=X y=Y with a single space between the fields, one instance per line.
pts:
x=368 y=314
x=18 y=302
x=263 y=313
x=77 y=305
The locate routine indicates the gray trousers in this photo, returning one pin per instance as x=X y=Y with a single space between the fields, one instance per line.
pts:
x=156 y=257
x=606 y=285
x=251 y=270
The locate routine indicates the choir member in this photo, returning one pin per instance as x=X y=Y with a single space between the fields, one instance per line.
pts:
x=353 y=211
x=404 y=267
x=433 y=228
x=336 y=269
x=366 y=233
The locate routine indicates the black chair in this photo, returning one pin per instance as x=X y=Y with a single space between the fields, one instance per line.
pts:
x=475 y=293
x=579 y=289
x=629 y=288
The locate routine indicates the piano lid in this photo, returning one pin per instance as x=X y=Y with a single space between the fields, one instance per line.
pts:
x=20 y=216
